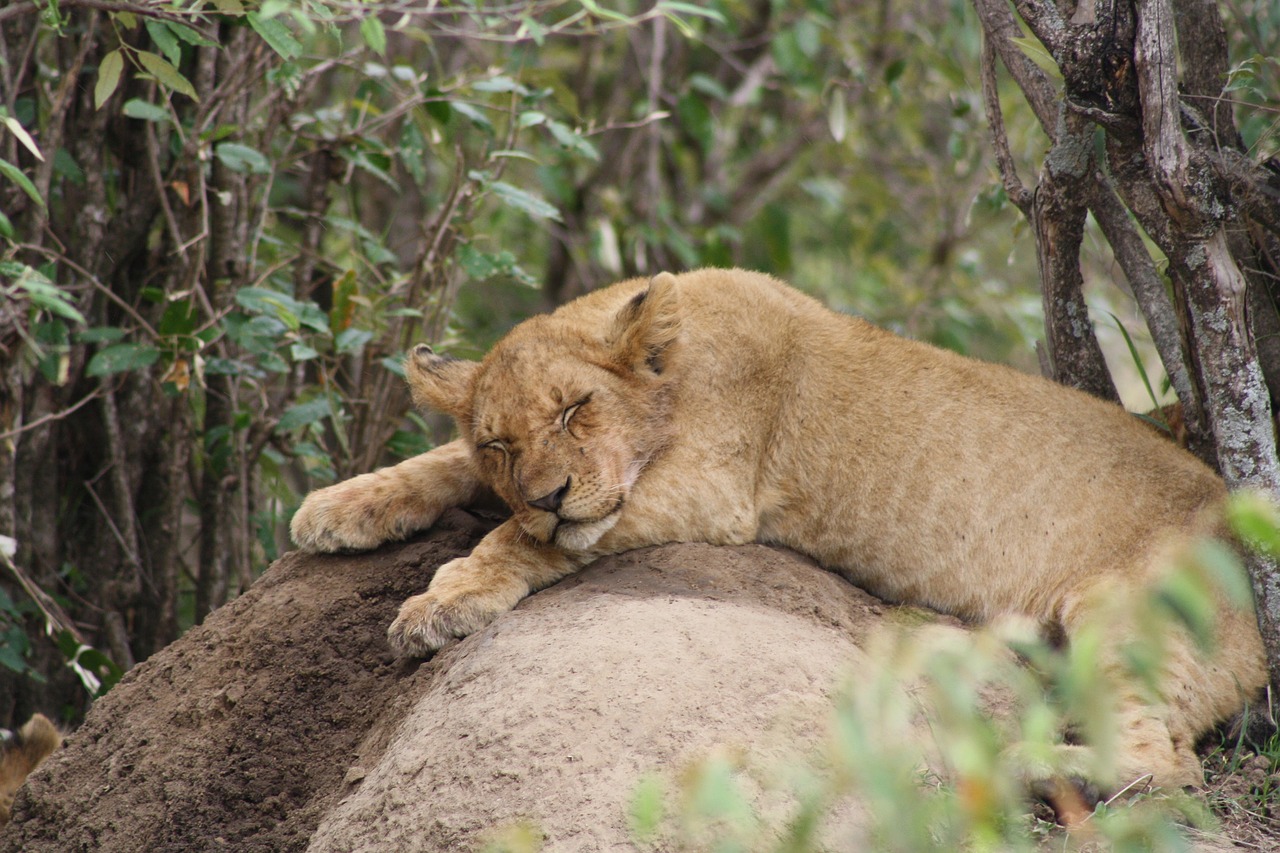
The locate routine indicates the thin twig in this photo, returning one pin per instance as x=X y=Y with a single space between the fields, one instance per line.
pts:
x=52 y=416
x=1017 y=192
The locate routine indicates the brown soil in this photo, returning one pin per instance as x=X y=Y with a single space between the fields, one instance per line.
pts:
x=284 y=723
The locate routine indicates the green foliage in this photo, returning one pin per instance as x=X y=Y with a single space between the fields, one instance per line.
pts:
x=14 y=646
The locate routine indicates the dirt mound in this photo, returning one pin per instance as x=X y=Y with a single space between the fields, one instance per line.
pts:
x=284 y=722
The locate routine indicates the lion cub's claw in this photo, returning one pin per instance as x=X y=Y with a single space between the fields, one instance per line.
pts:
x=426 y=623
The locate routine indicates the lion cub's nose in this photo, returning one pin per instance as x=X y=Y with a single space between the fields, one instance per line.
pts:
x=551 y=501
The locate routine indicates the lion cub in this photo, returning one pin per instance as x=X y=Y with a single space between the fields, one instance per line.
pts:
x=23 y=753
x=723 y=406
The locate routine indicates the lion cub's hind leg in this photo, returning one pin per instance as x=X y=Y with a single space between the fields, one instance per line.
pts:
x=22 y=754
x=389 y=504
x=1159 y=717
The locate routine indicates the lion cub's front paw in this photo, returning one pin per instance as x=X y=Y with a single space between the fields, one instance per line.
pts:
x=359 y=514
x=428 y=621
x=331 y=520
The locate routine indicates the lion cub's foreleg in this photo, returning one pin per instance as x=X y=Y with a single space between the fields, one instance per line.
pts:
x=470 y=592
x=389 y=504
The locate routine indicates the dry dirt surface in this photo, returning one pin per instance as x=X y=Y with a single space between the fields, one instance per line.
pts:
x=284 y=723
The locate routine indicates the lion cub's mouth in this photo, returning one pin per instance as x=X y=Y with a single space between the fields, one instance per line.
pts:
x=580 y=535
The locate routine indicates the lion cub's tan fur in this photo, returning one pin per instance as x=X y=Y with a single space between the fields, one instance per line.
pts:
x=725 y=407
x=22 y=754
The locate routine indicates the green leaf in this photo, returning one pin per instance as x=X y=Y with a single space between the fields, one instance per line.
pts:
x=534 y=30
x=6 y=227
x=229 y=7
x=438 y=106
x=144 y=110
x=99 y=334
x=1035 y=51
x=607 y=14
x=667 y=6
x=646 y=807
x=280 y=306
x=696 y=117
x=476 y=117
x=14 y=174
x=1137 y=361
x=119 y=358
x=352 y=340
x=531 y=204
x=302 y=352
x=165 y=40
x=47 y=296
x=531 y=118
x=374 y=35
x=305 y=414
x=572 y=140
x=242 y=158
x=168 y=76
x=276 y=35
x=108 y=77
x=16 y=128
x=500 y=84
x=190 y=36
x=837 y=119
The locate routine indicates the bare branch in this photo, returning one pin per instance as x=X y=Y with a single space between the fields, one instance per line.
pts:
x=1018 y=194
x=1149 y=291
x=1001 y=28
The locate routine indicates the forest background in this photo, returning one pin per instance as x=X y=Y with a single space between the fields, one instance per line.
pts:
x=223 y=223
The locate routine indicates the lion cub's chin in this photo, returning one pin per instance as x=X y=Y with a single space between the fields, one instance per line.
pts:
x=581 y=535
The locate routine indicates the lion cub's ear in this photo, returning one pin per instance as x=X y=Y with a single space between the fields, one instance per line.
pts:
x=440 y=382
x=648 y=327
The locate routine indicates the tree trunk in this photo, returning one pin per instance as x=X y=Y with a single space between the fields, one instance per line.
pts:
x=1169 y=164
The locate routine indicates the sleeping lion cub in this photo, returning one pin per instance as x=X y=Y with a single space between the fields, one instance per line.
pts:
x=722 y=406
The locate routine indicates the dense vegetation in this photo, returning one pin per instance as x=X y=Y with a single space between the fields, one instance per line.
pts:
x=224 y=221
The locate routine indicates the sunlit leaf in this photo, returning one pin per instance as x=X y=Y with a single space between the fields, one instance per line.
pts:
x=166 y=74
x=523 y=200
x=276 y=35
x=373 y=33
x=242 y=158
x=191 y=36
x=305 y=414
x=108 y=77
x=140 y=109
x=476 y=117
x=165 y=40
x=571 y=139
x=14 y=174
x=1034 y=50
x=119 y=358
x=16 y=128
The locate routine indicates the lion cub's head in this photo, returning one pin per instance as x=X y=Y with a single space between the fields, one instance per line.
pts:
x=566 y=410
